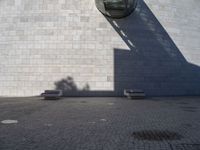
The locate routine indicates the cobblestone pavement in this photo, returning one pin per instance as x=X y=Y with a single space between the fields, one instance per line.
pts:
x=100 y=124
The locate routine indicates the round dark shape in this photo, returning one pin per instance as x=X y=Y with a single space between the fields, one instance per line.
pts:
x=116 y=8
x=156 y=135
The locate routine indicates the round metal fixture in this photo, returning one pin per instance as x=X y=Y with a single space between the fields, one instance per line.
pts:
x=116 y=8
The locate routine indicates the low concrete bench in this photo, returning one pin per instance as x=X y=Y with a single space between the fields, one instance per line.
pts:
x=134 y=94
x=52 y=94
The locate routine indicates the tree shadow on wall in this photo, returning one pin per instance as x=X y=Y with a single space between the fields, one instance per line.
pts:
x=69 y=87
x=153 y=62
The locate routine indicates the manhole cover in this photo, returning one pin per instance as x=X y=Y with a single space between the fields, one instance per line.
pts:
x=156 y=135
x=9 y=121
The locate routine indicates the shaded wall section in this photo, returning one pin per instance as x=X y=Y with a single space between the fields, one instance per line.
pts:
x=154 y=63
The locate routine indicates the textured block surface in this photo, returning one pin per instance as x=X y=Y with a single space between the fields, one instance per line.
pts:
x=69 y=45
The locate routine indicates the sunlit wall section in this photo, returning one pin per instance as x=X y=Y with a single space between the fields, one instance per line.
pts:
x=44 y=44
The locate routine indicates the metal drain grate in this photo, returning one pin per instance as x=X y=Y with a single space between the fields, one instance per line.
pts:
x=183 y=103
x=186 y=147
x=156 y=135
x=189 y=108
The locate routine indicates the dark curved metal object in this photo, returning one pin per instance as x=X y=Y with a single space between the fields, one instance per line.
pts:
x=116 y=8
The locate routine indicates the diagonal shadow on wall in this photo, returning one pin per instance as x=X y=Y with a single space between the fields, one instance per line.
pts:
x=153 y=62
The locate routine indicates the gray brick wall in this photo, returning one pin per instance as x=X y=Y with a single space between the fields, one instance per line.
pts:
x=70 y=45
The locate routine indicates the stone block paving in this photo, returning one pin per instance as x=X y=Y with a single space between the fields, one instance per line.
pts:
x=100 y=124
